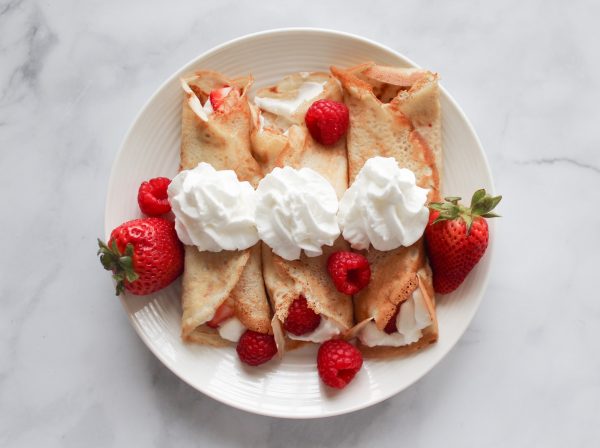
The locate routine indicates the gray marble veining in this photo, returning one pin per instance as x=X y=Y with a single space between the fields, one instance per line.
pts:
x=73 y=76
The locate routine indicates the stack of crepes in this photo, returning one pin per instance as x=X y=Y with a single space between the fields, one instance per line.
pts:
x=231 y=279
x=393 y=113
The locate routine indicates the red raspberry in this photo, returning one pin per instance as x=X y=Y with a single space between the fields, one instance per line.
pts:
x=350 y=272
x=337 y=362
x=301 y=319
x=327 y=121
x=256 y=348
x=152 y=196
x=391 y=327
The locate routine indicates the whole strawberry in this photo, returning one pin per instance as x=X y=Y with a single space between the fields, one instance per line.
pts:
x=457 y=237
x=144 y=255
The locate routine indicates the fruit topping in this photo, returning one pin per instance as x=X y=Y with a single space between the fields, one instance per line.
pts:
x=456 y=238
x=256 y=348
x=327 y=121
x=301 y=319
x=152 y=196
x=338 y=362
x=217 y=96
x=144 y=255
x=224 y=312
x=349 y=271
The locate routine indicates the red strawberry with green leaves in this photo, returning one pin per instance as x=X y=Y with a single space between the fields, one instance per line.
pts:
x=457 y=237
x=144 y=255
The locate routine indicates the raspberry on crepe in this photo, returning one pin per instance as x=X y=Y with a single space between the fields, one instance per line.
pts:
x=301 y=319
x=349 y=271
x=327 y=121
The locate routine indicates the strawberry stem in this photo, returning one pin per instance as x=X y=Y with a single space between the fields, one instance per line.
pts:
x=482 y=205
x=121 y=264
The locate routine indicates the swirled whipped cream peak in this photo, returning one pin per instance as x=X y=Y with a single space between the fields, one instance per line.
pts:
x=296 y=211
x=383 y=207
x=213 y=209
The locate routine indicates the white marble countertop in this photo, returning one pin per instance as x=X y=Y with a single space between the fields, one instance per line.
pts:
x=73 y=372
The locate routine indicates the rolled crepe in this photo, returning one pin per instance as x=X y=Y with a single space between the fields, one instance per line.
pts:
x=394 y=112
x=211 y=279
x=280 y=138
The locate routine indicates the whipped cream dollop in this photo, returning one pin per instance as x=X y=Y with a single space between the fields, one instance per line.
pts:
x=232 y=329
x=383 y=207
x=412 y=319
x=287 y=107
x=326 y=330
x=213 y=209
x=295 y=211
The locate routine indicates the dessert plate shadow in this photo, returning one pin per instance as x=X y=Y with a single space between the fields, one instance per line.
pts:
x=290 y=387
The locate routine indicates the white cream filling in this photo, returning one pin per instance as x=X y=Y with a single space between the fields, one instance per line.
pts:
x=232 y=329
x=412 y=319
x=287 y=107
x=326 y=330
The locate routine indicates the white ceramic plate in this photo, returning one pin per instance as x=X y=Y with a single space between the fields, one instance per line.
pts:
x=290 y=388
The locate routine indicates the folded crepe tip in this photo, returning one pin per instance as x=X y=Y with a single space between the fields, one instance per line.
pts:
x=278 y=335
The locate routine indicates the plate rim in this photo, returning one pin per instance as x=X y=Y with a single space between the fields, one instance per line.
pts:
x=328 y=33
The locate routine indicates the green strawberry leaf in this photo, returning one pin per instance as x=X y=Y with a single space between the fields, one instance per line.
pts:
x=120 y=263
x=453 y=199
x=131 y=276
x=495 y=201
x=468 y=219
x=482 y=204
